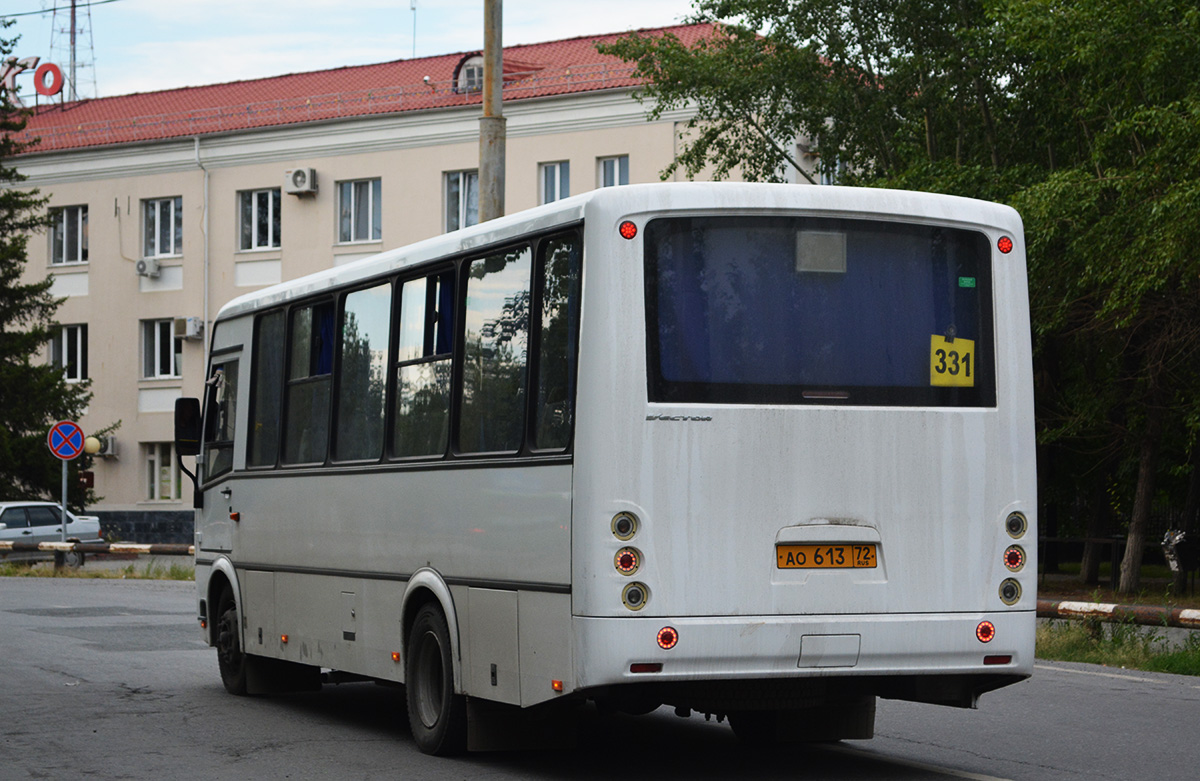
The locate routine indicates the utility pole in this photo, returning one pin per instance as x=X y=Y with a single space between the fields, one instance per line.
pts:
x=491 y=124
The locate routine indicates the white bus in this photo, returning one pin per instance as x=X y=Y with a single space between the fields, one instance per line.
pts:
x=763 y=451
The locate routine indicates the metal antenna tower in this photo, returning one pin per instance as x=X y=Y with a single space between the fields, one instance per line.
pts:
x=71 y=47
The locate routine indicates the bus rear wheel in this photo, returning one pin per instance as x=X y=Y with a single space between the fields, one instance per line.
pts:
x=230 y=658
x=437 y=715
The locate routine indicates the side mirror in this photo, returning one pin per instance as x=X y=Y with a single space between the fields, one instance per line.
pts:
x=3 y=526
x=187 y=426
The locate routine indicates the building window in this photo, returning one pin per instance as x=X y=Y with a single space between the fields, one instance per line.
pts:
x=360 y=210
x=162 y=350
x=462 y=199
x=555 y=181
x=259 y=211
x=612 y=171
x=162 y=227
x=68 y=351
x=69 y=235
x=162 y=473
x=470 y=75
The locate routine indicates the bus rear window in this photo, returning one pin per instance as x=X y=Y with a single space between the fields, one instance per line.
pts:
x=798 y=310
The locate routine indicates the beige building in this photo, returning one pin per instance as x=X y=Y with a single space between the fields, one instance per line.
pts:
x=169 y=204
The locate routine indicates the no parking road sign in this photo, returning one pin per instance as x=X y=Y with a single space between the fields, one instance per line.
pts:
x=66 y=440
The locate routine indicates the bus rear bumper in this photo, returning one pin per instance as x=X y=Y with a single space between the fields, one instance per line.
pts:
x=921 y=657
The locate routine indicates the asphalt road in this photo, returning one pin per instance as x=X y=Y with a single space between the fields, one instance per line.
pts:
x=109 y=679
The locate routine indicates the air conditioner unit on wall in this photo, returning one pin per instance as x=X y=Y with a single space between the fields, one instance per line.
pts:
x=108 y=446
x=147 y=267
x=189 y=328
x=300 y=181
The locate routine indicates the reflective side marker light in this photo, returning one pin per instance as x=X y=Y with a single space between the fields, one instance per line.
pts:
x=627 y=230
x=645 y=667
x=283 y=639
x=997 y=659
x=203 y=624
x=556 y=686
x=1005 y=245
x=667 y=638
x=986 y=631
x=1014 y=558
x=396 y=656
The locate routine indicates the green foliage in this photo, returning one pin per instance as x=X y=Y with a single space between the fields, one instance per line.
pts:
x=1117 y=645
x=33 y=395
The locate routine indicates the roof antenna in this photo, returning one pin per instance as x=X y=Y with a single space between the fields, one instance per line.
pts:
x=412 y=4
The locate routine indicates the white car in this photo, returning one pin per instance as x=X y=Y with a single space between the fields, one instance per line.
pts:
x=42 y=522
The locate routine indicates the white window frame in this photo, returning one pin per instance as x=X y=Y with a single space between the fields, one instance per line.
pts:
x=373 y=206
x=459 y=210
x=156 y=453
x=268 y=199
x=612 y=171
x=470 y=76
x=554 y=181
x=154 y=211
x=153 y=335
x=60 y=253
x=60 y=349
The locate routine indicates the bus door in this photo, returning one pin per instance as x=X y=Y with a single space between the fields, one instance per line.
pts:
x=221 y=409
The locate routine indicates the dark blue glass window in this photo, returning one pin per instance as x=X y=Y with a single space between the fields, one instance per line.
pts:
x=775 y=310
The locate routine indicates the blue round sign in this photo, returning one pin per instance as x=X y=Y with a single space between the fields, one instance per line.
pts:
x=66 y=440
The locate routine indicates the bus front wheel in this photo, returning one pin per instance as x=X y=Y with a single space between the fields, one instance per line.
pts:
x=437 y=715
x=230 y=658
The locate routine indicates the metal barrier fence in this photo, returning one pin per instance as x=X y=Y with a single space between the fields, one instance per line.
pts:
x=160 y=549
x=1146 y=615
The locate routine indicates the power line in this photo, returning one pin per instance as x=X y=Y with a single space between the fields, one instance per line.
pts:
x=51 y=10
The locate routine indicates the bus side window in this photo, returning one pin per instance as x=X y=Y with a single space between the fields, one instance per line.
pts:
x=265 y=412
x=306 y=424
x=421 y=419
x=557 y=349
x=496 y=343
x=362 y=374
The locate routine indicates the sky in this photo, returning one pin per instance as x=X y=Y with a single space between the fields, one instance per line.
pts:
x=144 y=45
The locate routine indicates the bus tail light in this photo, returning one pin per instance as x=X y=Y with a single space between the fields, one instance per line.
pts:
x=627 y=561
x=1005 y=245
x=635 y=596
x=667 y=638
x=985 y=632
x=624 y=526
x=1010 y=591
x=628 y=230
x=1014 y=558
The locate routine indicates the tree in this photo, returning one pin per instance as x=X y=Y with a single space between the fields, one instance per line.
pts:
x=33 y=395
x=1083 y=115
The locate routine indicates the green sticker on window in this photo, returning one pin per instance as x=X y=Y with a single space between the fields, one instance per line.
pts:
x=966 y=281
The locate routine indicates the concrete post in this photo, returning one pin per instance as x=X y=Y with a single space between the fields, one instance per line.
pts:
x=491 y=124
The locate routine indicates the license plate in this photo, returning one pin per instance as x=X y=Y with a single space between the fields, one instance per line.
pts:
x=825 y=556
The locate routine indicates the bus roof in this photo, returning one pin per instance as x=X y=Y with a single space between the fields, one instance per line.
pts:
x=727 y=197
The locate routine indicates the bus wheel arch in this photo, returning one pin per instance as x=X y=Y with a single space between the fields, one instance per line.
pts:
x=426 y=586
x=221 y=578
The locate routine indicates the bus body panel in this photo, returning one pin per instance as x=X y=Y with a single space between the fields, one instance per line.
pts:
x=716 y=486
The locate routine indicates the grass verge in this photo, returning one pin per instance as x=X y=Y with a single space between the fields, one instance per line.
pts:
x=151 y=570
x=1117 y=645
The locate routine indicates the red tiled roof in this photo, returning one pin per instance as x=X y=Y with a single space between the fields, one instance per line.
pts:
x=553 y=68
